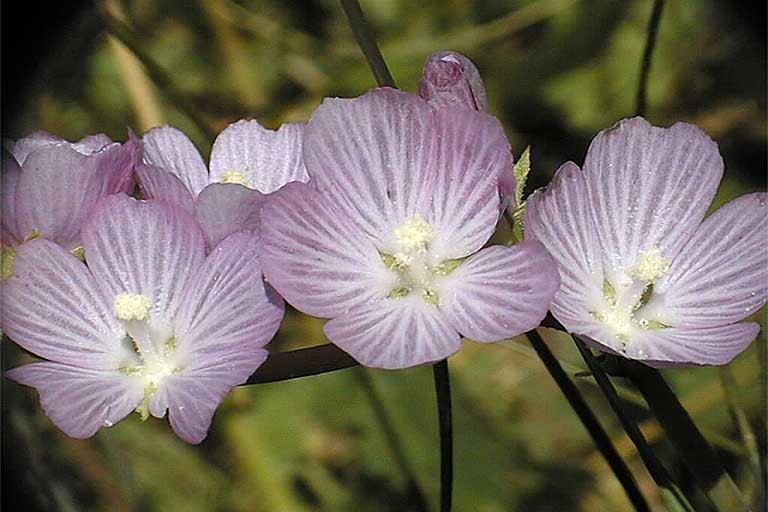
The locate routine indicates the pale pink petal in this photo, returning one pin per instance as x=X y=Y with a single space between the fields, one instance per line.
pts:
x=394 y=333
x=500 y=292
x=268 y=158
x=91 y=144
x=650 y=187
x=157 y=183
x=451 y=79
x=21 y=148
x=52 y=307
x=149 y=247
x=316 y=257
x=373 y=156
x=226 y=309
x=171 y=149
x=559 y=217
x=721 y=275
x=472 y=152
x=685 y=346
x=226 y=208
x=80 y=401
x=9 y=179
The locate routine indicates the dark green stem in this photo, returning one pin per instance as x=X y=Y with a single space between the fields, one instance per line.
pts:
x=645 y=67
x=443 y=393
x=415 y=495
x=367 y=42
x=656 y=469
x=301 y=363
x=590 y=422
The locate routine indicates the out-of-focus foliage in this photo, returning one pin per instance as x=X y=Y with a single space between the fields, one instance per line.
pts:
x=557 y=71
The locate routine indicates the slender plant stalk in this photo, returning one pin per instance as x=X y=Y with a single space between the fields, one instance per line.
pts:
x=443 y=393
x=416 y=500
x=367 y=42
x=656 y=469
x=303 y=362
x=590 y=422
x=645 y=67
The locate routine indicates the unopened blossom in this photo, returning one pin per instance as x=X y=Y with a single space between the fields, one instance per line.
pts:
x=450 y=79
x=151 y=324
x=644 y=273
x=247 y=161
x=387 y=243
x=49 y=185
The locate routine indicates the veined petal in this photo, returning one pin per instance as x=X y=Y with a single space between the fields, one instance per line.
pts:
x=148 y=247
x=649 y=187
x=394 y=333
x=80 y=401
x=721 y=275
x=372 y=156
x=268 y=159
x=226 y=208
x=21 y=148
x=226 y=309
x=171 y=149
x=450 y=80
x=559 y=217
x=316 y=257
x=157 y=183
x=464 y=198
x=52 y=307
x=9 y=179
x=500 y=292
x=685 y=346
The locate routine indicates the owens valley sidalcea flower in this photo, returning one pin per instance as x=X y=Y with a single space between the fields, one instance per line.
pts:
x=49 y=185
x=150 y=324
x=645 y=275
x=387 y=241
x=247 y=161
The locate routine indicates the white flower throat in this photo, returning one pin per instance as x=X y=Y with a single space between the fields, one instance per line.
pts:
x=412 y=263
x=627 y=296
x=153 y=343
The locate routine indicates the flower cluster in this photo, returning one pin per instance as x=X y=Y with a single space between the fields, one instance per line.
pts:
x=375 y=215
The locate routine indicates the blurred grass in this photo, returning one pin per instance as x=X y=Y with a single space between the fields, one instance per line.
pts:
x=557 y=71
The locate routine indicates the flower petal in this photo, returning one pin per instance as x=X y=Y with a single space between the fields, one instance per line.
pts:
x=373 y=155
x=472 y=153
x=9 y=179
x=269 y=158
x=157 y=183
x=559 y=217
x=394 y=333
x=52 y=307
x=315 y=257
x=686 y=346
x=148 y=247
x=650 y=187
x=500 y=292
x=450 y=79
x=80 y=401
x=721 y=275
x=21 y=148
x=169 y=148
x=226 y=309
x=226 y=208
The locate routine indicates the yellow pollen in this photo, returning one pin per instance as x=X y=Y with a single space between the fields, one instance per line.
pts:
x=132 y=306
x=7 y=254
x=233 y=176
x=650 y=265
x=414 y=234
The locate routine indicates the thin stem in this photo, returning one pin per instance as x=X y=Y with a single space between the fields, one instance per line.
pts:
x=645 y=67
x=303 y=362
x=655 y=467
x=414 y=492
x=443 y=394
x=367 y=42
x=590 y=422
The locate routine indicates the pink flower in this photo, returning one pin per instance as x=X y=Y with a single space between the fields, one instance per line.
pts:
x=388 y=242
x=150 y=324
x=247 y=161
x=644 y=273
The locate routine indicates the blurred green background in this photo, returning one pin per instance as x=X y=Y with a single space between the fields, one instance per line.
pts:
x=557 y=71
